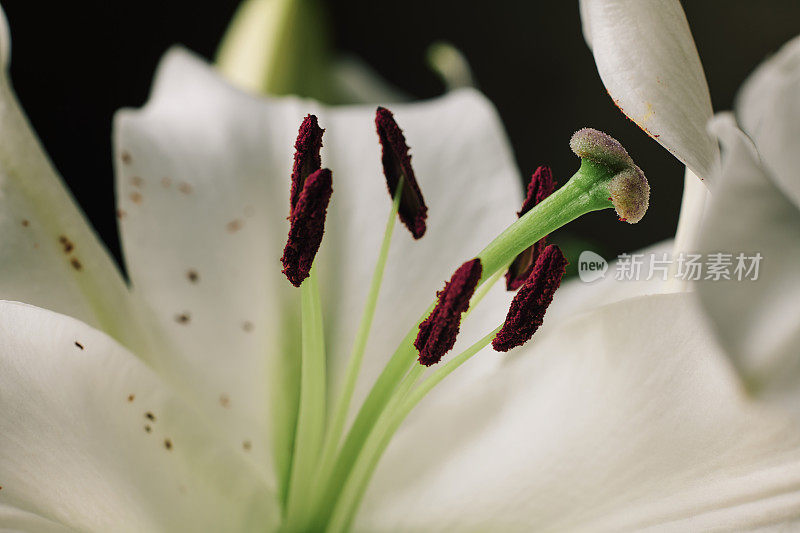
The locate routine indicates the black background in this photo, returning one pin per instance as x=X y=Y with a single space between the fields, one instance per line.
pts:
x=75 y=63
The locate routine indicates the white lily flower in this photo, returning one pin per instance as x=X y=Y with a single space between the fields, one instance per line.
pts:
x=151 y=410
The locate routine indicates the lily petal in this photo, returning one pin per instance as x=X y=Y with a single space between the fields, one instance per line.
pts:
x=49 y=256
x=758 y=321
x=648 y=62
x=203 y=177
x=764 y=106
x=625 y=418
x=92 y=440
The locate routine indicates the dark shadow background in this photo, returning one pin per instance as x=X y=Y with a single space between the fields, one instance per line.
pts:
x=75 y=63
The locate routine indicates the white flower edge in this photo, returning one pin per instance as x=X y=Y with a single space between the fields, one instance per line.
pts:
x=648 y=62
x=49 y=255
x=758 y=321
x=92 y=439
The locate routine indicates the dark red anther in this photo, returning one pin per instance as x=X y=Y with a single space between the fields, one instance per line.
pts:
x=306 y=157
x=529 y=304
x=437 y=333
x=540 y=187
x=396 y=164
x=307 y=223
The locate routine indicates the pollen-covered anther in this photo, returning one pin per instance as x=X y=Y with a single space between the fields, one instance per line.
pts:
x=437 y=333
x=307 y=159
x=540 y=187
x=530 y=304
x=601 y=148
x=396 y=165
x=307 y=224
x=630 y=194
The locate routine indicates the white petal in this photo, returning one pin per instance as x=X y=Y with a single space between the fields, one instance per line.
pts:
x=694 y=205
x=14 y=519
x=621 y=419
x=647 y=60
x=758 y=321
x=768 y=106
x=49 y=256
x=74 y=449
x=205 y=191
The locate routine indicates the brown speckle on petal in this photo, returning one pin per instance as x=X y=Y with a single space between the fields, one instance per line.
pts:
x=147 y=428
x=121 y=213
x=183 y=318
x=79 y=345
x=233 y=226
x=192 y=275
x=25 y=223
x=166 y=182
x=76 y=264
x=247 y=326
x=135 y=197
x=224 y=400
x=66 y=244
x=247 y=445
x=136 y=181
x=168 y=444
x=131 y=397
x=150 y=416
x=185 y=188
x=126 y=158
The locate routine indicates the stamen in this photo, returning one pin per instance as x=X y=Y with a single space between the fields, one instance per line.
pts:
x=307 y=224
x=437 y=333
x=397 y=164
x=529 y=305
x=306 y=156
x=540 y=187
